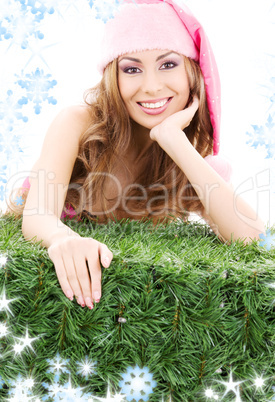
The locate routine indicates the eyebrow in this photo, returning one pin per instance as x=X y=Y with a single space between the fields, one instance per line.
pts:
x=139 y=61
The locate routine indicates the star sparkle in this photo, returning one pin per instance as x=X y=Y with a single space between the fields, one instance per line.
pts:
x=3 y=329
x=109 y=398
x=27 y=341
x=3 y=260
x=4 y=303
x=86 y=367
x=232 y=386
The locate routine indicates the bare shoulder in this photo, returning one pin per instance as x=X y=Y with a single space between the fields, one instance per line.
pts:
x=63 y=135
x=76 y=117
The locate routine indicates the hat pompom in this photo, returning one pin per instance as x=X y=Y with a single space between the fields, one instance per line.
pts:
x=220 y=165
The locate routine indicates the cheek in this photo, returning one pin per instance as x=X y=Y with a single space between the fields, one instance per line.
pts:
x=122 y=88
x=183 y=89
x=126 y=88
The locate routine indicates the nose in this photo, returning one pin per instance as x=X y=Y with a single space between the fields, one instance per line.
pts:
x=151 y=83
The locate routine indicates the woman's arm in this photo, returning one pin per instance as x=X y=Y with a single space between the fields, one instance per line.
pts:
x=232 y=217
x=49 y=179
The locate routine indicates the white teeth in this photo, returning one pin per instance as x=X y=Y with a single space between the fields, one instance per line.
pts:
x=154 y=105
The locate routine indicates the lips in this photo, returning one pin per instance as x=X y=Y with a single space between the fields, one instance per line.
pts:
x=155 y=106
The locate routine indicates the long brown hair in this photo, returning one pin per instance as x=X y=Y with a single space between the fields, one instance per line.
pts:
x=108 y=138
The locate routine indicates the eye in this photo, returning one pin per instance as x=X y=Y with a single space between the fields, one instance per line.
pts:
x=131 y=70
x=168 y=65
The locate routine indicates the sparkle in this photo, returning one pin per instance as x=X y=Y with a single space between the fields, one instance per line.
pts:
x=18 y=348
x=36 y=50
x=259 y=382
x=4 y=303
x=231 y=386
x=86 y=367
x=209 y=393
x=3 y=329
x=109 y=397
x=27 y=340
x=3 y=260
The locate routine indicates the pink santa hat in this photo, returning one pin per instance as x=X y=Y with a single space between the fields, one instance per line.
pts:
x=146 y=25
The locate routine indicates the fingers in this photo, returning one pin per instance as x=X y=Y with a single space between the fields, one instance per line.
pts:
x=74 y=259
x=99 y=251
x=106 y=255
x=81 y=271
x=195 y=104
x=61 y=274
x=95 y=273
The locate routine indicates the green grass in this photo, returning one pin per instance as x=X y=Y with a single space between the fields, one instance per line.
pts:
x=192 y=305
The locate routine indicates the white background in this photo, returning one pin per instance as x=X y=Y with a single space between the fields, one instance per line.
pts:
x=242 y=37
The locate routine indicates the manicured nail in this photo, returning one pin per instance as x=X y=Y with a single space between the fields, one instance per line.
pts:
x=70 y=295
x=80 y=301
x=97 y=297
x=89 y=303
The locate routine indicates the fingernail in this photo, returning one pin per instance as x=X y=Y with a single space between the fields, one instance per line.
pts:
x=107 y=261
x=70 y=295
x=89 y=303
x=80 y=301
x=97 y=297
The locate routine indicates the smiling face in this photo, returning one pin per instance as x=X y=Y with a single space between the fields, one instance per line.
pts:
x=153 y=85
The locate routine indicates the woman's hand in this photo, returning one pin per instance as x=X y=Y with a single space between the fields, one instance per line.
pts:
x=77 y=264
x=179 y=120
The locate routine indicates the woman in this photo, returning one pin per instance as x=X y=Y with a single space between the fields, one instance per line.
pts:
x=141 y=148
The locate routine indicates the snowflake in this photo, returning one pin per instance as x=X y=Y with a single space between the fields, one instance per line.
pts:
x=271 y=151
x=19 y=201
x=3 y=192
x=9 y=145
x=8 y=10
x=4 y=32
x=19 y=28
x=54 y=391
x=105 y=9
x=57 y=366
x=91 y=3
x=137 y=384
x=2 y=382
x=272 y=97
x=3 y=174
x=86 y=367
x=38 y=7
x=267 y=240
x=10 y=111
x=20 y=389
x=65 y=392
x=263 y=136
x=37 y=85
